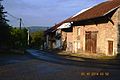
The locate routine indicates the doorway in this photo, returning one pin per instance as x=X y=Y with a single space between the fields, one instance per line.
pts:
x=90 y=41
x=110 y=47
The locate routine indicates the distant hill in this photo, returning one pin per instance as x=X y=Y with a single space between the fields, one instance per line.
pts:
x=37 y=28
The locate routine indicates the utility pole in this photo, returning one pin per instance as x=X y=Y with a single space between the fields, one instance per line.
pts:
x=20 y=22
x=28 y=36
x=20 y=30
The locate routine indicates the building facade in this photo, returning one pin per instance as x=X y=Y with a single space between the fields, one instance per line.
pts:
x=95 y=30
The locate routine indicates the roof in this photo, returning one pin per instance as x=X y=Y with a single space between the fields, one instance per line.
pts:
x=52 y=29
x=97 y=11
x=93 y=12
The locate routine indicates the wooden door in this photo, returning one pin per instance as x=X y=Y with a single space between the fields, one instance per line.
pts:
x=88 y=41
x=91 y=41
x=110 y=47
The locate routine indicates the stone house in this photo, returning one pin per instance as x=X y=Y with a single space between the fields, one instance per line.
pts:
x=55 y=36
x=93 y=30
x=49 y=42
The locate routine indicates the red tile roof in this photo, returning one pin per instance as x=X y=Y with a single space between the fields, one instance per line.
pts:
x=97 y=11
x=94 y=12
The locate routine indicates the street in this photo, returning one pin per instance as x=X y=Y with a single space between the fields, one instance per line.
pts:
x=50 y=67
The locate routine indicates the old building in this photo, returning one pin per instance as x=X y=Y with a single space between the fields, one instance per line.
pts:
x=94 y=30
x=56 y=36
x=49 y=39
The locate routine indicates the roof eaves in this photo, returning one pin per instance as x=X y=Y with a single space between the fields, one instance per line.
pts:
x=111 y=10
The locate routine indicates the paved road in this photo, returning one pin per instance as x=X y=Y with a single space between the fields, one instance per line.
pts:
x=76 y=62
x=12 y=59
x=50 y=67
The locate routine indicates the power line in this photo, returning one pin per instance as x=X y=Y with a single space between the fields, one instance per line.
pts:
x=13 y=16
x=20 y=20
x=23 y=23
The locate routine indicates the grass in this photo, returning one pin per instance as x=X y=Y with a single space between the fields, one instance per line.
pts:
x=98 y=56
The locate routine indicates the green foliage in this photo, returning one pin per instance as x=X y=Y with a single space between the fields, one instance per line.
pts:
x=19 y=38
x=11 y=38
x=37 y=39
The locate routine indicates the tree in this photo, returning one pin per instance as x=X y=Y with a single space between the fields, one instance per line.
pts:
x=37 y=39
x=4 y=28
x=19 y=38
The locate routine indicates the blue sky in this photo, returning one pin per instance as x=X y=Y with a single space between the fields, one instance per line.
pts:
x=44 y=12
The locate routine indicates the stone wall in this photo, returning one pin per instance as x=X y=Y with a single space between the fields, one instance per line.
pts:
x=106 y=32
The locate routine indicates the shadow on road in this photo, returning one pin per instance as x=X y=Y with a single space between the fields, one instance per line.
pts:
x=16 y=58
x=85 y=62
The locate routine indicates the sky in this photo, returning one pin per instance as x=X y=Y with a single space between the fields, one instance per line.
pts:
x=44 y=12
